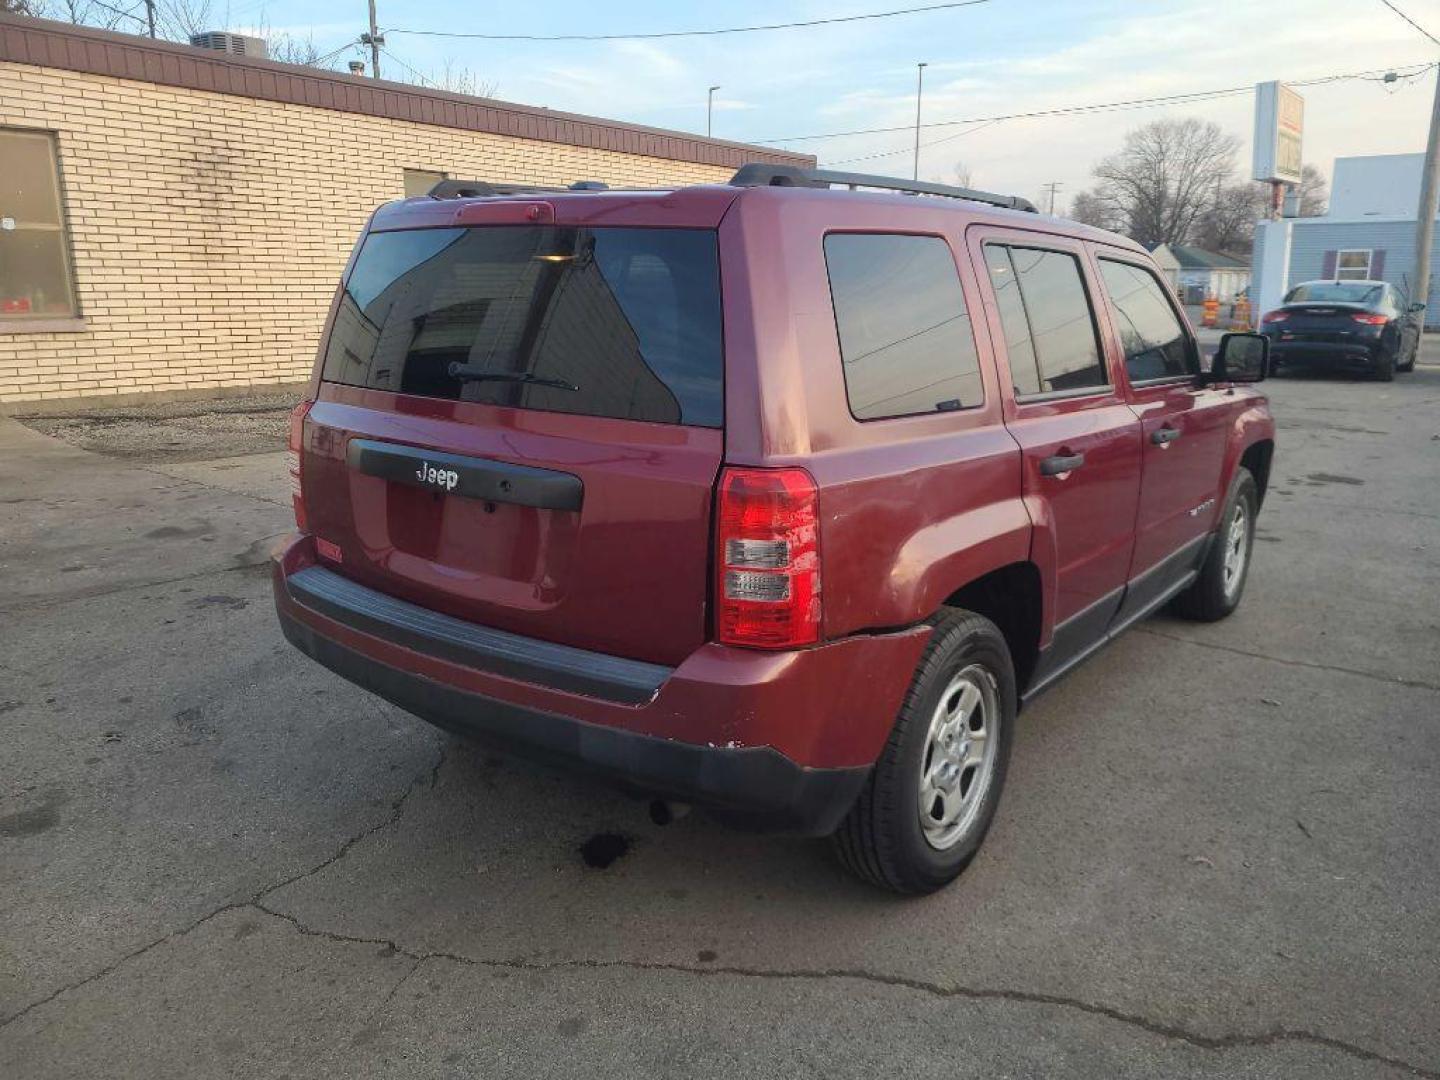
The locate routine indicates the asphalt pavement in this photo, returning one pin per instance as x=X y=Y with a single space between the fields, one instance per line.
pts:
x=1216 y=854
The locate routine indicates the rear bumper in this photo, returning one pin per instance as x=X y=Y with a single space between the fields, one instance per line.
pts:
x=768 y=740
x=1326 y=352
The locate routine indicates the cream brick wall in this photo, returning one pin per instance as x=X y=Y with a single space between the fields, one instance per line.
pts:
x=208 y=230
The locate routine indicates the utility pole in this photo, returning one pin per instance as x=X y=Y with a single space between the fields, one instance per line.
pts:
x=374 y=39
x=919 y=90
x=150 y=15
x=1429 y=194
x=1052 y=187
x=709 y=108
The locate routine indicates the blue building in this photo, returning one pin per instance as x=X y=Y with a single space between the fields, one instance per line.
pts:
x=1368 y=233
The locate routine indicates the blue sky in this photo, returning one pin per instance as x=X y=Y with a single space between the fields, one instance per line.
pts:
x=1003 y=56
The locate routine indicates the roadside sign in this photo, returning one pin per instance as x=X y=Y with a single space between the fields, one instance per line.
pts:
x=1279 y=125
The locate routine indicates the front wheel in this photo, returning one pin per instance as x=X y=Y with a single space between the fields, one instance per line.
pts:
x=933 y=792
x=1409 y=364
x=1216 y=592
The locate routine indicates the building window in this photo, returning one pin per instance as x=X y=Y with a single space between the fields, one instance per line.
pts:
x=1353 y=265
x=35 y=281
x=420 y=181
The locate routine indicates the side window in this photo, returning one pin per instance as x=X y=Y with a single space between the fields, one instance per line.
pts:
x=1049 y=325
x=905 y=334
x=1156 y=345
x=1024 y=372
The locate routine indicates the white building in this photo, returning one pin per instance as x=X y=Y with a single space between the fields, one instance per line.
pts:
x=1197 y=275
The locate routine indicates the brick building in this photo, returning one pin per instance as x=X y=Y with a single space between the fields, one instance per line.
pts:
x=173 y=220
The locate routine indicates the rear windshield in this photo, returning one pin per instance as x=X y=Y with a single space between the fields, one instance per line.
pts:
x=607 y=322
x=1334 y=292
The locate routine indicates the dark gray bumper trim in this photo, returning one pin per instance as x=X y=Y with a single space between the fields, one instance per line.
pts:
x=560 y=667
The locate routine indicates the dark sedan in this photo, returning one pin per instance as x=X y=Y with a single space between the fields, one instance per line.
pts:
x=1356 y=324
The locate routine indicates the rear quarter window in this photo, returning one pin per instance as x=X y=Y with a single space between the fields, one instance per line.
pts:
x=906 y=343
x=623 y=323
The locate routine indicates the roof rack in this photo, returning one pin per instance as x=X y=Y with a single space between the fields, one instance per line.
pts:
x=758 y=175
x=471 y=189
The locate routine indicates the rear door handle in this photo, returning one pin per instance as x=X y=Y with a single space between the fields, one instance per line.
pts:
x=1061 y=463
x=1161 y=436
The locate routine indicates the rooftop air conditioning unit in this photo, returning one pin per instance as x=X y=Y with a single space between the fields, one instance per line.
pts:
x=234 y=44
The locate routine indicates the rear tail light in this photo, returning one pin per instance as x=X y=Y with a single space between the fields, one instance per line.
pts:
x=1274 y=316
x=294 y=456
x=1371 y=320
x=768 y=556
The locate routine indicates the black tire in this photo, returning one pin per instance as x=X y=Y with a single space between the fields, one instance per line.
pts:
x=1409 y=364
x=1209 y=597
x=882 y=840
x=1385 y=365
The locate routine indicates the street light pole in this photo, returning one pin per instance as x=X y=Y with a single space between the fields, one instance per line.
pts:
x=374 y=40
x=709 y=108
x=1429 y=197
x=919 y=90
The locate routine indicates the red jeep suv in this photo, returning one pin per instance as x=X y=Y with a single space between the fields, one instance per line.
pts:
x=768 y=496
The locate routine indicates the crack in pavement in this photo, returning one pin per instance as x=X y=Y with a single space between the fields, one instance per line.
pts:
x=1397 y=680
x=1239 y=1040
x=396 y=809
x=939 y=990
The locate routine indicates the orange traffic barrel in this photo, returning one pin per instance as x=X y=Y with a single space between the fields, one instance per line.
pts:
x=1241 y=317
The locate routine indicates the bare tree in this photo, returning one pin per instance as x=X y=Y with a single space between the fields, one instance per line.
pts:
x=1164 y=178
x=963 y=175
x=290 y=49
x=454 y=79
x=177 y=20
x=1312 y=191
x=89 y=13
x=1089 y=209
x=22 y=7
x=1228 y=224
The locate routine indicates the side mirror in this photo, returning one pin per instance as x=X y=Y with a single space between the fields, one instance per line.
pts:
x=1241 y=358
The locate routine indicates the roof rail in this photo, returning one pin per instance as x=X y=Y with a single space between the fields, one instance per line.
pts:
x=758 y=175
x=471 y=189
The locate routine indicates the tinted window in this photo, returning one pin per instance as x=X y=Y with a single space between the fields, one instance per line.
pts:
x=630 y=318
x=1024 y=372
x=905 y=334
x=1333 y=292
x=1156 y=346
x=1043 y=305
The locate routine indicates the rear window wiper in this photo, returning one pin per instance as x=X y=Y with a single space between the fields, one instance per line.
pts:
x=466 y=373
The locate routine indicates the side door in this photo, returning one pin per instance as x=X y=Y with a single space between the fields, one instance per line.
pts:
x=1079 y=441
x=1182 y=426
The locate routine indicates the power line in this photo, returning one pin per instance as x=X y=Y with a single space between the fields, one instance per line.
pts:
x=1065 y=110
x=907 y=148
x=420 y=78
x=695 y=33
x=336 y=52
x=1411 y=21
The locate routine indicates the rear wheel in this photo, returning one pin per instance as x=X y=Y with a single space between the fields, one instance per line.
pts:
x=932 y=794
x=1385 y=365
x=1217 y=591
